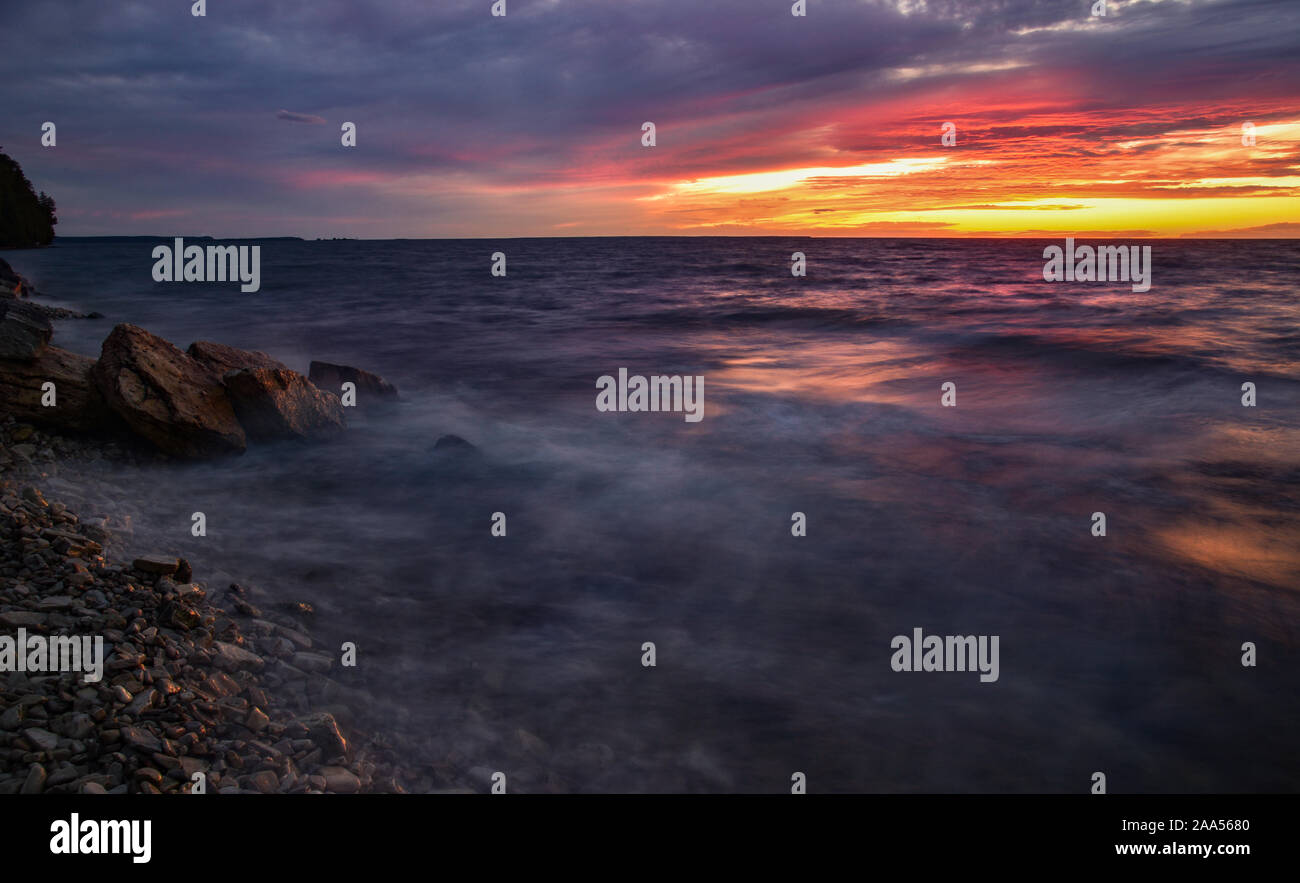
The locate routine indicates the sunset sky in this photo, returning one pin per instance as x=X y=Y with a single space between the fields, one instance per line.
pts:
x=530 y=125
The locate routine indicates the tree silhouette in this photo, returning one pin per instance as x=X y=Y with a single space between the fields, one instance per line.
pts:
x=26 y=220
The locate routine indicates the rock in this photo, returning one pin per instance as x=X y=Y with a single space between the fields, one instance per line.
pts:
x=257 y=720
x=78 y=404
x=63 y=775
x=12 y=717
x=13 y=285
x=148 y=774
x=265 y=782
x=78 y=726
x=42 y=739
x=166 y=396
x=141 y=739
x=276 y=403
x=22 y=618
x=184 y=572
x=232 y=657
x=24 y=331
x=340 y=780
x=220 y=359
x=35 y=782
x=299 y=608
x=160 y=564
x=143 y=700
x=179 y=616
x=371 y=388
x=93 y=788
x=323 y=731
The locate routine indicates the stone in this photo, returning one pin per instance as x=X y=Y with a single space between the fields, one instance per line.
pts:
x=340 y=780
x=220 y=359
x=371 y=388
x=143 y=700
x=22 y=618
x=323 y=731
x=179 y=616
x=78 y=404
x=42 y=739
x=165 y=396
x=141 y=739
x=148 y=774
x=24 y=331
x=231 y=657
x=257 y=720
x=35 y=782
x=160 y=564
x=265 y=782
x=276 y=403
x=11 y=718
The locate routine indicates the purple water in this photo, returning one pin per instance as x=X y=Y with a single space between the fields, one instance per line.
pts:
x=822 y=395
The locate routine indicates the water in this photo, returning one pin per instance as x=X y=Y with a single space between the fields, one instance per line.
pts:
x=1119 y=654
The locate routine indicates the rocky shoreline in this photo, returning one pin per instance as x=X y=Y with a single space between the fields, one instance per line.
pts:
x=207 y=686
x=242 y=695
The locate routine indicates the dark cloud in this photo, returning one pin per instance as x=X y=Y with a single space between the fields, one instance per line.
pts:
x=160 y=111
x=298 y=117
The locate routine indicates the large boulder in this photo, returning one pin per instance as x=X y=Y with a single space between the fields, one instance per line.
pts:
x=276 y=403
x=77 y=403
x=24 y=330
x=165 y=396
x=371 y=388
x=222 y=359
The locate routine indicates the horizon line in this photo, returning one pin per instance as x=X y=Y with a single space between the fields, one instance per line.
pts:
x=205 y=236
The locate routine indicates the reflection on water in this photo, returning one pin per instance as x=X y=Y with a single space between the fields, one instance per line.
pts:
x=1119 y=653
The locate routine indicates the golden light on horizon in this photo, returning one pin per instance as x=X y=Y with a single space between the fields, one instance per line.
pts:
x=1181 y=182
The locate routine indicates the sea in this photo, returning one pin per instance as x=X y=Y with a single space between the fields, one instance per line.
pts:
x=836 y=496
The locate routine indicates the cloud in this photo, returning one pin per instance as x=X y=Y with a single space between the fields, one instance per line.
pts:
x=298 y=117
x=474 y=125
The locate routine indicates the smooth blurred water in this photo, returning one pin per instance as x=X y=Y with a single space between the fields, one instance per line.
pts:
x=822 y=395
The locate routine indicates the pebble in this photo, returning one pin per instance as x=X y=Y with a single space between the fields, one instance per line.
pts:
x=181 y=675
x=256 y=720
x=42 y=739
x=35 y=782
x=340 y=780
x=160 y=564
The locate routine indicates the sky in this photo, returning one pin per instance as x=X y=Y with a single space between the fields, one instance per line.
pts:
x=531 y=124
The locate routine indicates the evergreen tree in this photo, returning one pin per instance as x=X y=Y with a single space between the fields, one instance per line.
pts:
x=26 y=220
